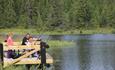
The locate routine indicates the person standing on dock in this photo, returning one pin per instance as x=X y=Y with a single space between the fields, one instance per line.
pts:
x=10 y=43
x=9 y=40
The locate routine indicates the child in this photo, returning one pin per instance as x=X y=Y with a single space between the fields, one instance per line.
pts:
x=9 y=42
x=31 y=42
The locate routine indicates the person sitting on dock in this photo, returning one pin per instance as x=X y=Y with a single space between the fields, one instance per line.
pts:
x=25 y=39
x=31 y=42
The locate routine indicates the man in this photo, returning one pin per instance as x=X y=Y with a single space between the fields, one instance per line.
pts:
x=25 y=39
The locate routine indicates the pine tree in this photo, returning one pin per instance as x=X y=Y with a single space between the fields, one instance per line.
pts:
x=9 y=14
x=80 y=15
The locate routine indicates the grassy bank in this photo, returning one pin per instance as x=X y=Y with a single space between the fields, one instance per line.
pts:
x=20 y=67
x=57 y=43
x=15 y=68
x=59 y=32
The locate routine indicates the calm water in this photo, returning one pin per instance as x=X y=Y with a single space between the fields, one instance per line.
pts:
x=90 y=52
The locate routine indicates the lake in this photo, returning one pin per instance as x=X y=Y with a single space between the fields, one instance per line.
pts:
x=90 y=52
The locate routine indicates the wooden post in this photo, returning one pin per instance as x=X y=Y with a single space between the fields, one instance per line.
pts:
x=43 y=54
x=1 y=55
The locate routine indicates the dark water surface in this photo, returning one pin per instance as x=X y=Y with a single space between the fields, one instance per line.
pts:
x=90 y=52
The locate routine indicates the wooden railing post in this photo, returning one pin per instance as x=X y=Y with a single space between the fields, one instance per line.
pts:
x=43 y=53
x=1 y=55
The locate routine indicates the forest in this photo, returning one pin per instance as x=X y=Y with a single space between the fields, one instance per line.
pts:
x=57 y=14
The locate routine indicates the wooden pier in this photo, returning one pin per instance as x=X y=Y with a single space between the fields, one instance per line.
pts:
x=25 y=57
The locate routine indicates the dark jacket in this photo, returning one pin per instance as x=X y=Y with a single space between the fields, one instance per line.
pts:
x=24 y=41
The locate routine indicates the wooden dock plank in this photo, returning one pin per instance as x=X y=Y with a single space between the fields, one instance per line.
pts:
x=15 y=43
x=21 y=47
x=33 y=60
x=27 y=61
x=21 y=57
x=19 y=43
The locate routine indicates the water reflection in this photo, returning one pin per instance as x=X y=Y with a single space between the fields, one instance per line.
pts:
x=56 y=37
x=89 y=53
x=58 y=56
x=84 y=55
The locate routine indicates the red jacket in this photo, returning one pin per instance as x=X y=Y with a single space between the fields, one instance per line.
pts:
x=10 y=41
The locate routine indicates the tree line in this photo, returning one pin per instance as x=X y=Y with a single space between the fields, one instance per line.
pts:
x=57 y=14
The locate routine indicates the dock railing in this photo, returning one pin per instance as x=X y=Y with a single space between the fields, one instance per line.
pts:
x=25 y=58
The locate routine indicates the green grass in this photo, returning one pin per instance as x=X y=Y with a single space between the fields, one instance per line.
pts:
x=99 y=31
x=59 y=32
x=0 y=66
x=59 y=43
x=15 y=68
x=20 y=67
x=18 y=31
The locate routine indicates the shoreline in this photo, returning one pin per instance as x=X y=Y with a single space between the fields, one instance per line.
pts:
x=58 y=32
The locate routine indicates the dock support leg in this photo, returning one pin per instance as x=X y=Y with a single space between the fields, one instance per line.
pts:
x=1 y=56
x=43 y=56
